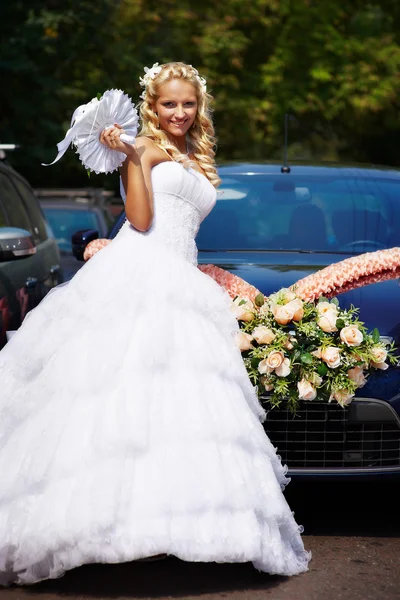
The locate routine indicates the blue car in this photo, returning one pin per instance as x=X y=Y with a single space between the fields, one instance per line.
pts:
x=273 y=226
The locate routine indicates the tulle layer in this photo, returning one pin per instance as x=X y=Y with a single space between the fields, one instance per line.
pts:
x=129 y=427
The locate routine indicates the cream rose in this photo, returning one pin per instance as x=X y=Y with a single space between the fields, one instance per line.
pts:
x=284 y=369
x=263 y=335
x=331 y=356
x=315 y=379
x=243 y=341
x=284 y=295
x=243 y=309
x=327 y=322
x=356 y=374
x=288 y=295
x=326 y=307
x=306 y=390
x=342 y=397
x=351 y=335
x=379 y=354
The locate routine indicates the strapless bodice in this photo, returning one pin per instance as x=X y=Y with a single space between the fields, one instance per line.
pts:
x=182 y=199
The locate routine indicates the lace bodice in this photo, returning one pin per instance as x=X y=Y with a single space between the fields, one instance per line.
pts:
x=182 y=199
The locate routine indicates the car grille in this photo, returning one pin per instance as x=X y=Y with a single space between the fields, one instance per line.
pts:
x=325 y=436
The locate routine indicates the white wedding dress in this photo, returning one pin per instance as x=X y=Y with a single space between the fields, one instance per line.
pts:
x=128 y=425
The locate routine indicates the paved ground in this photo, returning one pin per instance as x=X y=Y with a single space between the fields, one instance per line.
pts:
x=353 y=532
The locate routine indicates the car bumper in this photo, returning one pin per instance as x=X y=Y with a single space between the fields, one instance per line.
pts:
x=326 y=441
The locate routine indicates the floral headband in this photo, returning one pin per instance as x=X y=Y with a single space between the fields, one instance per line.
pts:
x=151 y=73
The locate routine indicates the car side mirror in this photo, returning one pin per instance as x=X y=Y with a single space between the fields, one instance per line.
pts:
x=80 y=240
x=15 y=243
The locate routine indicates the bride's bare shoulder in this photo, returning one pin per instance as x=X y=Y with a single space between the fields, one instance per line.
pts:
x=149 y=150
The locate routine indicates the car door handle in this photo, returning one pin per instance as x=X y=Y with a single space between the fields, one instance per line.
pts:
x=31 y=282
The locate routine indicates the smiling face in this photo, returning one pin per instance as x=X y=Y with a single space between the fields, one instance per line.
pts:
x=176 y=106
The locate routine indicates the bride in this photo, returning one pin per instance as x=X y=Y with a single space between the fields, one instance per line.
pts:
x=128 y=425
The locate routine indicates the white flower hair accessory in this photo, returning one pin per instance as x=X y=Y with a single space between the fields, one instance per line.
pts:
x=152 y=72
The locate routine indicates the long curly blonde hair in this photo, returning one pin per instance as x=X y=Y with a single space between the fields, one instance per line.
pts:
x=201 y=135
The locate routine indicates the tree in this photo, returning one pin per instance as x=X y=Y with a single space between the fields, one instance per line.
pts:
x=334 y=67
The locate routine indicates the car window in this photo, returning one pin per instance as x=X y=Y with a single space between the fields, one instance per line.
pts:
x=34 y=211
x=321 y=213
x=13 y=205
x=66 y=221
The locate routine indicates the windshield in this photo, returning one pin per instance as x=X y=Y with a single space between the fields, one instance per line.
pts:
x=65 y=222
x=313 y=213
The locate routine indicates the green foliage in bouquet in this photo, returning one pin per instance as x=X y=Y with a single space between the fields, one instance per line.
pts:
x=295 y=350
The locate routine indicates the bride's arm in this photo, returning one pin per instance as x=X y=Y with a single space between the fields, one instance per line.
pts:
x=136 y=176
x=136 y=179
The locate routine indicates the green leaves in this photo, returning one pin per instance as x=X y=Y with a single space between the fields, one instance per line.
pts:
x=340 y=323
x=322 y=369
x=376 y=335
x=306 y=358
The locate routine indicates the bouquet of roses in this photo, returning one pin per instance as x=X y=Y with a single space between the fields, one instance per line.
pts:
x=296 y=350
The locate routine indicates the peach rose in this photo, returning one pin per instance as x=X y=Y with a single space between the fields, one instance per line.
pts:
x=296 y=306
x=356 y=374
x=283 y=313
x=243 y=309
x=263 y=335
x=317 y=353
x=327 y=322
x=243 y=341
x=342 y=397
x=284 y=369
x=263 y=367
x=331 y=356
x=351 y=336
x=273 y=361
x=267 y=385
x=289 y=344
x=306 y=390
x=382 y=366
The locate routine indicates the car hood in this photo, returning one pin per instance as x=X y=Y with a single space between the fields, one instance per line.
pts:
x=379 y=303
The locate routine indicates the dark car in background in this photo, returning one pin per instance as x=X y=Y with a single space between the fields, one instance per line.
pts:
x=69 y=210
x=29 y=256
x=272 y=227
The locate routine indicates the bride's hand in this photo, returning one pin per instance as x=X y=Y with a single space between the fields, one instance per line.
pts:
x=110 y=137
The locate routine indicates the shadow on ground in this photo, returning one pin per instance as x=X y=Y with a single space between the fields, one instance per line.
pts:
x=169 y=578
x=368 y=509
x=343 y=509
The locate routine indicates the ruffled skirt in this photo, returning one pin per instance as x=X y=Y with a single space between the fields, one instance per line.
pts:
x=129 y=427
